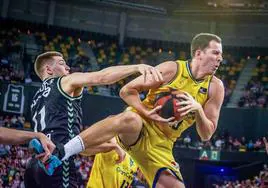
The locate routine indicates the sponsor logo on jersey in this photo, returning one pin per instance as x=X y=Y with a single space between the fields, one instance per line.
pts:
x=203 y=90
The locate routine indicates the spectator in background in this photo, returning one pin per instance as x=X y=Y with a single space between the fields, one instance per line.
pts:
x=266 y=144
x=187 y=141
x=258 y=144
x=21 y=121
x=2 y=122
x=236 y=144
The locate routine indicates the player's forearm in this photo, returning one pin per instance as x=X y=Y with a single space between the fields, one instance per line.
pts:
x=204 y=126
x=113 y=74
x=132 y=98
x=14 y=137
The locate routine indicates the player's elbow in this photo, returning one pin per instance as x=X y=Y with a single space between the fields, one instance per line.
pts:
x=205 y=138
x=123 y=92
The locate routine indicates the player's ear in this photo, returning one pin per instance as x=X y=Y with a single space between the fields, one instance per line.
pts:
x=48 y=69
x=197 y=53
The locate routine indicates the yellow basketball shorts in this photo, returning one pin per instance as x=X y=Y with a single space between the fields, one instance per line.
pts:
x=153 y=153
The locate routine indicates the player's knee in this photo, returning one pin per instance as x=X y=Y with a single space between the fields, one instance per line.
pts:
x=130 y=120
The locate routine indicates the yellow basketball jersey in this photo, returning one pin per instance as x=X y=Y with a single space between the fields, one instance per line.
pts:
x=106 y=173
x=183 y=81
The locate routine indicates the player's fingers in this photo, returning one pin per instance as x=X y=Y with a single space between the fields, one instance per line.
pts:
x=163 y=120
x=144 y=74
x=171 y=119
x=185 y=97
x=121 y=157
x=159 y=75
x=156 y=109
x=184 y=113
x=181 y=103
x=156 y=74
x=172 y=123
x=40 y=156
x=148 y=75
x=186 y=93
x=47 y=154
x=51 y=147
x=43 y=157
x=184 y=108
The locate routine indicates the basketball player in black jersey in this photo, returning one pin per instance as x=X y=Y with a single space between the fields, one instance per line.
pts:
x=56 y=110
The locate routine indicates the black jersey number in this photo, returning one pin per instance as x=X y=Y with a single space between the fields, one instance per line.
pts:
x=125 y=184
x=39 y=118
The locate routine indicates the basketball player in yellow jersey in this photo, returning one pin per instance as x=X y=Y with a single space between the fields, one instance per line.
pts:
x=147 y=137
x=109 y=169
x=107 y=173
x=203 y=96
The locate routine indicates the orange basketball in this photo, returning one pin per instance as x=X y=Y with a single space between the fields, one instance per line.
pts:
x=168 y=102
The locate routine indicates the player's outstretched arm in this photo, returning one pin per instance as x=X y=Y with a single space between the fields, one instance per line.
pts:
x=15 y=137
x=130 y=92
x=108 y=76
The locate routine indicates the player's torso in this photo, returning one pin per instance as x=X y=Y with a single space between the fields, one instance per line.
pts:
x=55 y=113
x=183 y=81
x=107 y=174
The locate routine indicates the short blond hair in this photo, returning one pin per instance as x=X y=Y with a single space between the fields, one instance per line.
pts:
x=202 y=40
x=42 y=60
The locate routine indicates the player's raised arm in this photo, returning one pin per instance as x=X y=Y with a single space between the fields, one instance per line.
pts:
x=109 y=75
x=130 y=92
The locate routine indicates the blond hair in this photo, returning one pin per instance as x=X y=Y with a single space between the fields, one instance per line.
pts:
x=202 y=40
x=42 y=60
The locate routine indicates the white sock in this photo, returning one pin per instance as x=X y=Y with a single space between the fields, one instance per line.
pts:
x=74 y=146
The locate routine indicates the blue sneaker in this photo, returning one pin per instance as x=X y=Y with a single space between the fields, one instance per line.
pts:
x=51 y=164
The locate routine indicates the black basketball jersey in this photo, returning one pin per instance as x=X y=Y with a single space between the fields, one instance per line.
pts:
x=55 y=113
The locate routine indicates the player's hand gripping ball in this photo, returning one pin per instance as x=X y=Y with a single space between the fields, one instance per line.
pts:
x=168 y=102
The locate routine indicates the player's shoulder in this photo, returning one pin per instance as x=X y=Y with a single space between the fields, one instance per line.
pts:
x=168 y=67
x=167 y=64
x=216 y=86
x=217 y=82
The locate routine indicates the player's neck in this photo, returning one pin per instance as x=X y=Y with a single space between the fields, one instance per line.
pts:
x=197 y=71
x=48 y=77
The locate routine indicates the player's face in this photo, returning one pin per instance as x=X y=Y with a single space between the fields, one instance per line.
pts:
x=59 y=67
x=211 y=57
